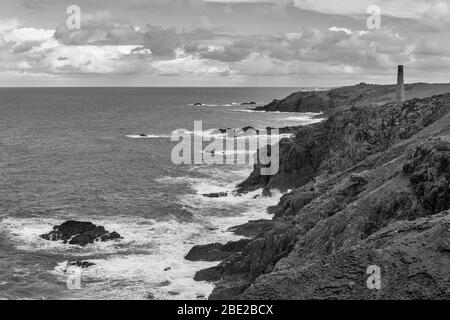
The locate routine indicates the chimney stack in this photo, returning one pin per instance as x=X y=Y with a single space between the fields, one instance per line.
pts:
x=400 y=85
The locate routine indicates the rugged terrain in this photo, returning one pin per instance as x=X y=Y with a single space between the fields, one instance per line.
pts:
x=369 y=186
x=362 y=94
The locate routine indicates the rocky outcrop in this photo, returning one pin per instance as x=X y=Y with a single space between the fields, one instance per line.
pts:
x=375 y=192
x=362 y=94
x=80 y=233
x=428 y=167
x=215 y=251
x=257 y=257
x=252 y=228
x=80 y=264
x=413 y=257
x=346 y=138
x=215 y=195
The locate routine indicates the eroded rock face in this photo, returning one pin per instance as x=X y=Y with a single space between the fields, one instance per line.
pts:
x=393 y=216
x=80 y=233
x=257 y=257
x=215 y=251
x=81 y=264
x=428 y=166
x=346 y=138
x=413 y=257
x=388 y=208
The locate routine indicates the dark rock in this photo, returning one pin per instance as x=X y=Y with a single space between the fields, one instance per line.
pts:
x=209 y=274
x=250 y=259
x=225 y=130
x=164 y=283
x=207 y=252
x=248 y=103
x=215 y=251
x=142 y=135
x=80 y=233
x=197 y=104
x=428 y=167
x=81 y=264
x=412 y=257
x=252 y=228
x=247 y=128
x=215 y=195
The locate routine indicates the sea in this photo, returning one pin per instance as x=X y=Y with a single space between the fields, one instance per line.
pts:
x=104 y=155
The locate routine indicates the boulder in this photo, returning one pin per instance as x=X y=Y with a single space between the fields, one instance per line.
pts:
x=215 y=195
x=80 y=233
x=80 y=264
x=215 y=251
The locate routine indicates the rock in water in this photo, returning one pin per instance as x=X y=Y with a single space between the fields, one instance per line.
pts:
x=80 y=233
x=215 y=251
x=215 y=195
x=81 y=264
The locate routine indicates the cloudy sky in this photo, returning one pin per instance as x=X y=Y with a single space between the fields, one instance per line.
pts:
x=222 y=43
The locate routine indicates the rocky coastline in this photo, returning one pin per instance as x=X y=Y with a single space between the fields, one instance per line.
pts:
x=367 y=186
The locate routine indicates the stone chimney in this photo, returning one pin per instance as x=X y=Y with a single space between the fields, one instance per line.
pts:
x=400 y=85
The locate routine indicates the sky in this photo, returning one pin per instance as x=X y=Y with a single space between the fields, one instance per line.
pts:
x=293 y=43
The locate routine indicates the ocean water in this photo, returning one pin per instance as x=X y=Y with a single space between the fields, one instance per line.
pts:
x=76 y=153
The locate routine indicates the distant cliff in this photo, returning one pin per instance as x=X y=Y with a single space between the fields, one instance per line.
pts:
x=360 y=95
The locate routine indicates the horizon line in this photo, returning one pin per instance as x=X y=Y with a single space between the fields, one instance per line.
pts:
x=144 y=87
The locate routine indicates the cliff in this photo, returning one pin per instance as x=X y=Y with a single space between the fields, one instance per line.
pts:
x=370 y=186
x=360 y=95
x=347 y=137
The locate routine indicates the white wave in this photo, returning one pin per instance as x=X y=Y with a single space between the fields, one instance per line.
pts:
x=305 y=119
x=220 y=180
x=147 y=136
x=152 y=252
x=162 y=271
x=250 y=110
x=230 y=104
x=203 y=105
x=235 y=133
x=149 y=261
x=232 y=152
x=309 y=114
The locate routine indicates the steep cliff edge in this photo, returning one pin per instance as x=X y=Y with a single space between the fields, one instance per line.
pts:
x=370 y=187
x=344 y=139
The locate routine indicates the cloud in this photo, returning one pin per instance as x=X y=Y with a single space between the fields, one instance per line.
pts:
x=428 y=47
x=190 y=64
x=259 y=39
x=20 y=35
x=8 y=24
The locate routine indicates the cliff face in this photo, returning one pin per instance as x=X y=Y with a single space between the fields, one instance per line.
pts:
x=370 y=187
x=345 y=139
